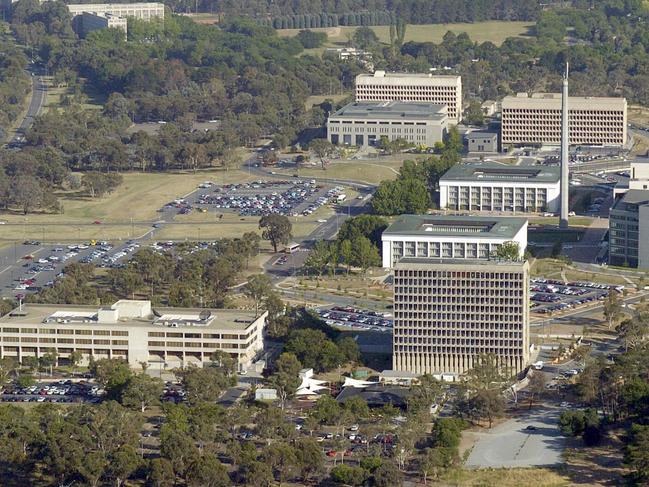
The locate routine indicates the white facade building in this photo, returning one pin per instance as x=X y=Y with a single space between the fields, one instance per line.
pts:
x=365 y=123
x=498 y=187
x=133 y=331
x=143 y=11
x=411 y=87
x=450 y=237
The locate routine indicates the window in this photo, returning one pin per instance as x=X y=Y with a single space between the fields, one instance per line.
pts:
x=159 y=334
x=102 y=333
x=65 y=332
x=102 y=342
x=83 y=332
x=29 y=330
x=119 y=333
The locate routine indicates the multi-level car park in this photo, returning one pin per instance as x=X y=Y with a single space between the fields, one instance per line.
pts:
x=551 y=295
x=290 y=198
x=361 y=319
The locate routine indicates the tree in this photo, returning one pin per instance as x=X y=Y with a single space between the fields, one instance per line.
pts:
x=122 y=464
x=98 y=184
x=348 y=475
x=365 y=38
x=612 y=308
x=26 y=192
x=366 y=255
x=202 y=384
x=286 y=377
x=310 y=39
x=257 y=288
x=319 y=258
x=207 y=471
x=326 y=409
x=536 y=386
x=508 y=251
x=310 y=460
x=282 y=458
x=347 y=253
x=49 y=359
x=633 y=331
x=161 y=473
x=435 y=462
x=473 y=114
x=75 y=357
x=142 y=391
x=424 y=394
x=387 y=475
x=636 y=451
x=277 y=229
x=322 y=149
x=113 y=374
x=488 y=404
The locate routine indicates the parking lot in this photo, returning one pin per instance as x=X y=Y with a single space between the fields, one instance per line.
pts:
x=60 y=391
x=348 y=317
x=551 y=295
x=31 y=266
x=257 y=198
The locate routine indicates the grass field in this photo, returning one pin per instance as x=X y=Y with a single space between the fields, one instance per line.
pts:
x=137 y=199
x=366 y=171
x=505 y=477
x=494 y=31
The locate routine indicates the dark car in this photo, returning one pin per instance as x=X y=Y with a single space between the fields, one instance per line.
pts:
x=531 y=427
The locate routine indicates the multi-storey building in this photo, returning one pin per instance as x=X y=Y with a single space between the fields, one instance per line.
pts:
x=498 y=187
x=449 y=312
x=439 y=89
x=629 y=230
x=142 y=11
x=536 y=120
x=90 y=22
x=133 y=331
x=366 y=123
x=450 y=237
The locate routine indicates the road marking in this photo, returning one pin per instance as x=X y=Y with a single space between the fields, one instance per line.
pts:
x=6 y=269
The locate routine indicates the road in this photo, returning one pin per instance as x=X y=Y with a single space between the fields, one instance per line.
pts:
x=39 y=92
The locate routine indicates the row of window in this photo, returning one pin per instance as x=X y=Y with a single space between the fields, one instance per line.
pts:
x=64 y=331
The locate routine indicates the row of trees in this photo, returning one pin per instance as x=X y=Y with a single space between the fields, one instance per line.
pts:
x=413 y=11
x=310 y=21
x=14 y=83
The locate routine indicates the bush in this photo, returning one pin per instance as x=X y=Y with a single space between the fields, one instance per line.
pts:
x=310 y=39
x=346 y=474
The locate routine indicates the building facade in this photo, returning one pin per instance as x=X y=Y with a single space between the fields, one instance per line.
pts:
x=498 y=187
x=90 y=22
x=629 y=230
x=450 y=237
x=366 y=123
x=449 y=312
x=438 y=89
x=142 y=11
x=482 y=141
x=536 y=120
x=133 y=331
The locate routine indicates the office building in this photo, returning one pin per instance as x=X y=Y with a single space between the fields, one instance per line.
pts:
x=536 y=120
x=366 y=123
x=449 y=312
x=450 y=237
x=142 y=11
x=638 y=178
x=482 y=141
x=499 y=187
x=90 y=21
x=438 y=89
x=133 y=331
x=629 y=230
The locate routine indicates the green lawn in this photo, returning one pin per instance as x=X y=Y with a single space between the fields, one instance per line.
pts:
x=494 y=31
x=366 y=171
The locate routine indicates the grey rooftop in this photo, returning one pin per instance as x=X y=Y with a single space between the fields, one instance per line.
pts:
x=502 y=173
x=457 y=226
x=395 y=110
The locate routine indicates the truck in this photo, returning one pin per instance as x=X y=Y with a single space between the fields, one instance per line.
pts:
x=538 y=365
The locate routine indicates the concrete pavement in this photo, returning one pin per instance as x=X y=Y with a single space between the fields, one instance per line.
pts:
x=510 y=444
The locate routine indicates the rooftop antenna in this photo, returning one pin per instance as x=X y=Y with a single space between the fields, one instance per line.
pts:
x=565 y=134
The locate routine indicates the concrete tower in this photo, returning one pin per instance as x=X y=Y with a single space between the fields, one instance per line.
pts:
x=565 y=174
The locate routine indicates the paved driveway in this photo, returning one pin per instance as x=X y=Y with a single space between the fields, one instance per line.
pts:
x=511 y=445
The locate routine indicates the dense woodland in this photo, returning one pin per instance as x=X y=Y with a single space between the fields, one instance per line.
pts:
x=14 y=84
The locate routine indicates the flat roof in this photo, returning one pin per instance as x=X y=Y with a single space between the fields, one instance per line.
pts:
x=493 y=172
x=457 y=226
x=382 y=77
x=392 y=110
x=377 y=396
x=37 y=314
x=634 y=197
x=552 y=101
x=482 y=135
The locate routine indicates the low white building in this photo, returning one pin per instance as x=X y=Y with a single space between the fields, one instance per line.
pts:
x=450 y=237
x=366 y=123
x=133 y=331
x=499 y=187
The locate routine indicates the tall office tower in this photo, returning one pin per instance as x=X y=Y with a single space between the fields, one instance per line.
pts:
x=411 y=87
x=447 y=312
x=565 y=173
